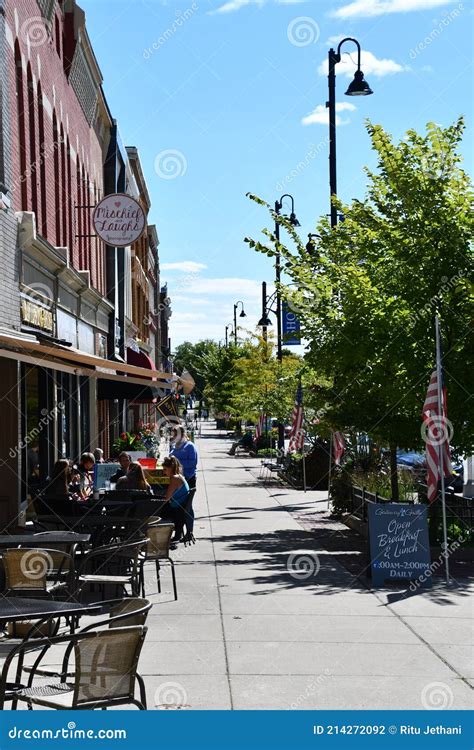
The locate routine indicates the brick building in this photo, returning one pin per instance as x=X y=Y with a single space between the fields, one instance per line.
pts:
x=67 y=298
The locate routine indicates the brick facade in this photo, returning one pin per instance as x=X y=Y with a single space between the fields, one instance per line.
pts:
x=9 y=298
x=57 y=154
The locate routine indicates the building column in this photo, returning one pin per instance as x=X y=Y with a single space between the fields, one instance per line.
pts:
x=10 y=448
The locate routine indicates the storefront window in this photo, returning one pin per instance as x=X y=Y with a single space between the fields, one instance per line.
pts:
x=31 y=431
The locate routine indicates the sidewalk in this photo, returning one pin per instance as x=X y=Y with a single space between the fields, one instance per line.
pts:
x=268 y=618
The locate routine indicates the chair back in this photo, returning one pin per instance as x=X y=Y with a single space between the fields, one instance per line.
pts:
x=113 y=559
x=106 y=665
x=128 y=612
x=26 y=569
x=159 y=537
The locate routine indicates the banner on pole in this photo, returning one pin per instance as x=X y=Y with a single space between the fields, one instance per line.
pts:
x=290 y=327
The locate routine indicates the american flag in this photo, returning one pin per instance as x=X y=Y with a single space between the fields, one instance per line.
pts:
x=436 y=436
x=297 y=432
x=260 y=426
x=338 y=447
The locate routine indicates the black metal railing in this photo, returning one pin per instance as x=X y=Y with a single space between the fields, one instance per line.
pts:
x=361 y=498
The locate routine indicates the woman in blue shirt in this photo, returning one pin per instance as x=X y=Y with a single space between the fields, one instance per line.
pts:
x=177 y=492
x=186 y=453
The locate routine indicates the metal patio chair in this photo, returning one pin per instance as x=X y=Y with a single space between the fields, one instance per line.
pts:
x=104 y=675
x=157 y=550
x=116 y=565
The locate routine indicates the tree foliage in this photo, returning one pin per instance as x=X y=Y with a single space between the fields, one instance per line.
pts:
x=242 y=380
x=367 y=296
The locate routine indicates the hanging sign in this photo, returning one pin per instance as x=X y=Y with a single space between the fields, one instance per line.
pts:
x=119 y=220
x=291 y=326
x=399 y=543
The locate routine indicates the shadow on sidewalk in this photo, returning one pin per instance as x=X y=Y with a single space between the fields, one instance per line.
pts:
x=293 y=559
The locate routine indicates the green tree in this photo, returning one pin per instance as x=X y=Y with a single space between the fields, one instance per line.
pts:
x=367 y=297
x=193 y=357
x=262 y=385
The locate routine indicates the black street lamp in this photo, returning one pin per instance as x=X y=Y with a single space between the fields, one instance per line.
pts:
x=265 y=321
x=242 y=315
x=294 y=222
x=358 y=87
x=228 y=328
x=311 y=247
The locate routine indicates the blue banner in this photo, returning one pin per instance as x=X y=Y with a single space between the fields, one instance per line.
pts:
x=236 y=730
x=290 y=326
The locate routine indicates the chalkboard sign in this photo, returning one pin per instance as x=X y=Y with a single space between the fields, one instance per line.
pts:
x=399 y=543
x=102 y=474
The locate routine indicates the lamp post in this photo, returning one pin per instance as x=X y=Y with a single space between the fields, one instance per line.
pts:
x=294 y=221
x=264 y=321
x=242 y=315
x=311 y=248
x=358 y=87
x=227 y=328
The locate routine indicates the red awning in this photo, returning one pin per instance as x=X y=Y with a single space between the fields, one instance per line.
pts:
x=139 y=359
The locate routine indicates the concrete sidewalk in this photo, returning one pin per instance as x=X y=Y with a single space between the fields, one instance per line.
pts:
x=268 y=619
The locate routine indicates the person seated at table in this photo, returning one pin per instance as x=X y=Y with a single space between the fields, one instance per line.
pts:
x=177 y=492
x=99 y=456
x=134 y=480
x=58 y=483
x=58 y=496
x=124 y=461
x=245 y=442
x=82 y=475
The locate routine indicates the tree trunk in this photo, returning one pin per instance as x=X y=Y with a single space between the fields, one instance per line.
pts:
x=394 y=473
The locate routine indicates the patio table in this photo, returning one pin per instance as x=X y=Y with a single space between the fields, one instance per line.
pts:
x=43 y=538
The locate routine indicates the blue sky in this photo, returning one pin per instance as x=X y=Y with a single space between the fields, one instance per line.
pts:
x=222 y=98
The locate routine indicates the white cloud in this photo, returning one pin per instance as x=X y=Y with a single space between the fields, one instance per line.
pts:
x=320 y=115
x=187 y=266
x=195 y=301
x=245 y=288
x=369 y=64
x=205 y=306
x=334 y=39
x=370 y=8
x=232 y=5
x=184 y=317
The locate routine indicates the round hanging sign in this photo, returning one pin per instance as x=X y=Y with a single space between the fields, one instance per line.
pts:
x=119 y=219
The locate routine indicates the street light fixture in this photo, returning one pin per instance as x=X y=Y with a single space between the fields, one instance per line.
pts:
x=265 y=321
x=242 y=315
x=228 y=328
x=311 y=247
x=357 y=87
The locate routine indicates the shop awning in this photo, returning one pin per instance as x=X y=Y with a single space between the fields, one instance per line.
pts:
x=120 y=388
x=140 y=359
x=29 y=349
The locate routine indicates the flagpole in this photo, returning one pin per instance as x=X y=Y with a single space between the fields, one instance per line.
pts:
x=304 y=470
x=440 y=445
x=331 y=438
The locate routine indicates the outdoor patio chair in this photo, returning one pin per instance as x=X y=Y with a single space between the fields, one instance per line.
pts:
x=114 y=564
x=105 y=671
x=37 y=573
x=157 y=550
x=122 y=613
